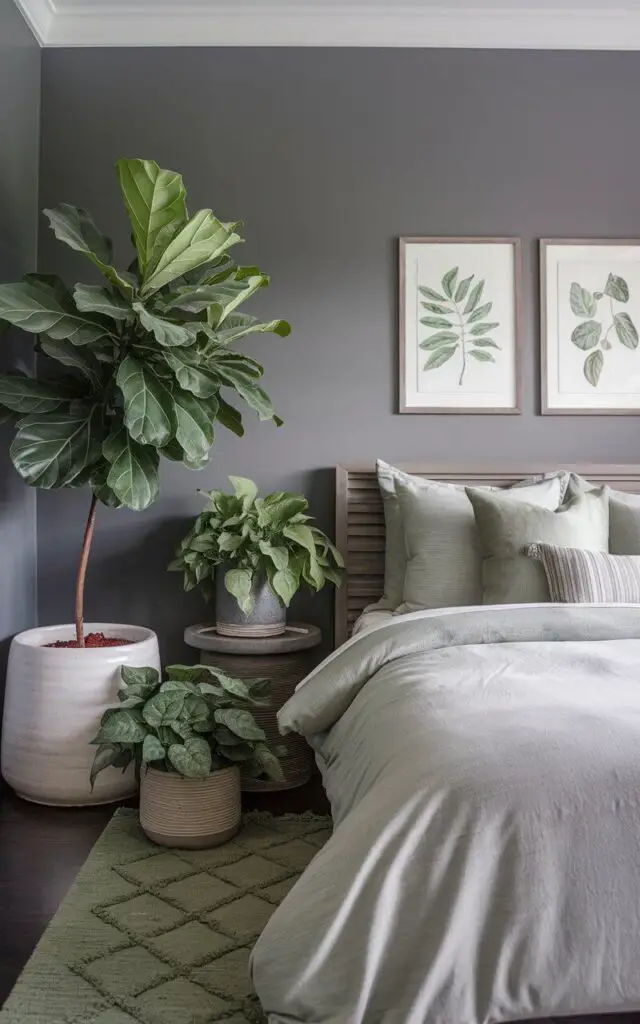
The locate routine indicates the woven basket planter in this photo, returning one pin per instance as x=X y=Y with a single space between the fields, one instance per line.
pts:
x=192 y=814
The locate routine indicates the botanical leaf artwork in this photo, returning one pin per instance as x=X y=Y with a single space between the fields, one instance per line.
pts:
x=459 y=318
x=591 y=335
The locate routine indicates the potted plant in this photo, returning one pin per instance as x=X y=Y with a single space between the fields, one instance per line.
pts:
x=130 y=371
x=187 y=737
x=259 y=551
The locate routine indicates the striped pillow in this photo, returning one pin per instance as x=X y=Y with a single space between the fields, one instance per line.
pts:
x=576 y=576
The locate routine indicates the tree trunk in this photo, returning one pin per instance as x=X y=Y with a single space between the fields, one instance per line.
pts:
x=82 y=570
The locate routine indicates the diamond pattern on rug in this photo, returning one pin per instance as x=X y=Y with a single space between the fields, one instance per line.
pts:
x=151 y=936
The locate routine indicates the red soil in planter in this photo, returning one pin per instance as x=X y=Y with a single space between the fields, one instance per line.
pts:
x=93 y=640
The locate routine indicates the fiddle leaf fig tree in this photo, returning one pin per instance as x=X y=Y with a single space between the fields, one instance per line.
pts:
x=141 y=366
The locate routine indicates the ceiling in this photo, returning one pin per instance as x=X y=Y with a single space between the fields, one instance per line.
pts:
x=532 y=24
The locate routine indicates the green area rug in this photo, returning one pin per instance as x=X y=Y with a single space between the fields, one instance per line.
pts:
x=154 y=936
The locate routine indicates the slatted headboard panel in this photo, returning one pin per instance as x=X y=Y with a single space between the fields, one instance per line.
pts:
x=360 y=520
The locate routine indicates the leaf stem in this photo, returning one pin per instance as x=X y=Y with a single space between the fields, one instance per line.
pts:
x=462 y=345
x=82 y=570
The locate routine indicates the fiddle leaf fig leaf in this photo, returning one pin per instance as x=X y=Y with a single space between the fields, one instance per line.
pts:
x=156 y=203
x=94 y=298
x=148 y=405
x=230 y=417
x=194 y=424
x=37 y=308
x=81 y=359
x=53 y=450
x=133 y=473
x=27 y=395
x=166 y=333
x=201 y=240
x=75 y=227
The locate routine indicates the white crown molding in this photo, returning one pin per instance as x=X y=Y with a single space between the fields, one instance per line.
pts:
x=39 y=16
x=333 y=25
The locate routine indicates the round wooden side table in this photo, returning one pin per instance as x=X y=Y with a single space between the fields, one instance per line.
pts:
x=285 y=660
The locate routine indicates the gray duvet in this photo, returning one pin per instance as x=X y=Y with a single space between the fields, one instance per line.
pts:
x=483 y=769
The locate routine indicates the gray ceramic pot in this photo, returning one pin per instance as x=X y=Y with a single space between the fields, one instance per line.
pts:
x=268 y=617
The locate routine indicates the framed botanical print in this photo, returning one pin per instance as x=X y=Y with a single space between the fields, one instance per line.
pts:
x=459 y=325
x=590 y=319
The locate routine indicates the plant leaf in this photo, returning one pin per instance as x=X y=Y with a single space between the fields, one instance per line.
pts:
x=54 y=449
x=449 y=282
x=122 y=725
x=625 y=329
x=244 y=489
x=582 y=301
x=241 y=723
x=232 y=294
x=483 y=328
x=201 y=240
x=267 y=762
x=440 y=357
x=80 y=359
x=485 y=343
x=593 y=367
x=166 y=333
x=106 y=755
x=75 y=227
x=152 y=749
x=474 y=298
x=439 y=338
x=229 y=417
x=285 y=582
x=482 y=357
x=237 y=326
x=434 y=307
x=233 y=375
x=435 y=321
x=278 y=555
x=36 y=308
x=133 y=475
x=155 y=200
x=587 y=334
x=26 y=395
x=430 y=294
x=191 y=758
x=144 y=679
x=479 y=313
x=463 y=288
x=163 y=709
x=238 y=583
x=94 y=298
x=148 y=406
x=190 y=374
x=616 y=287
x=194 y=424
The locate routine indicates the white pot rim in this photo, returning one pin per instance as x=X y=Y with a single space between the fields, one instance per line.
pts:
x=42 y=635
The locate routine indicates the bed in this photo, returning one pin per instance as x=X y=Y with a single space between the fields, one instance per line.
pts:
x=483 y=768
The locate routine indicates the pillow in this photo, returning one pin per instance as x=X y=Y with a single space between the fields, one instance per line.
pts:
x=505 y=528
x=624 y=516
x=582 y=577
x=443 y=559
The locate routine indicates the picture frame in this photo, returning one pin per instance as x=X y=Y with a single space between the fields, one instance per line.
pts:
x=460 y=325
x=589 y=324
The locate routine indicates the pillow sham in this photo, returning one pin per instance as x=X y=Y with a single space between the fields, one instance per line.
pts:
x=624 y=516
x=575 y=576
x=506 y=528
x=443 y=559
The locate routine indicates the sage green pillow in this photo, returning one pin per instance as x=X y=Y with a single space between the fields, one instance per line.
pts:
x=443 y=559
x=506 y=529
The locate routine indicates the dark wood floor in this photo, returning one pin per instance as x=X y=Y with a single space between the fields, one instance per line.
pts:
x=43 y=848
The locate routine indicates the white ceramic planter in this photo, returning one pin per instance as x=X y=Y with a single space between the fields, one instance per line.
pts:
x=54 y=700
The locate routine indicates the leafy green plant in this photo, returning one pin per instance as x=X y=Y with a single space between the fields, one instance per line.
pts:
x=137 y=367
x=591 y=335
x=460 y=323
x=197 y=721
x=266 y=537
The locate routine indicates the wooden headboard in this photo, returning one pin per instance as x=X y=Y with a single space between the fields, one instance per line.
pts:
x=360 y=520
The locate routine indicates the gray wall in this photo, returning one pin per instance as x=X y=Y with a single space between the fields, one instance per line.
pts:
x=329 y=155
x=19 y=130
